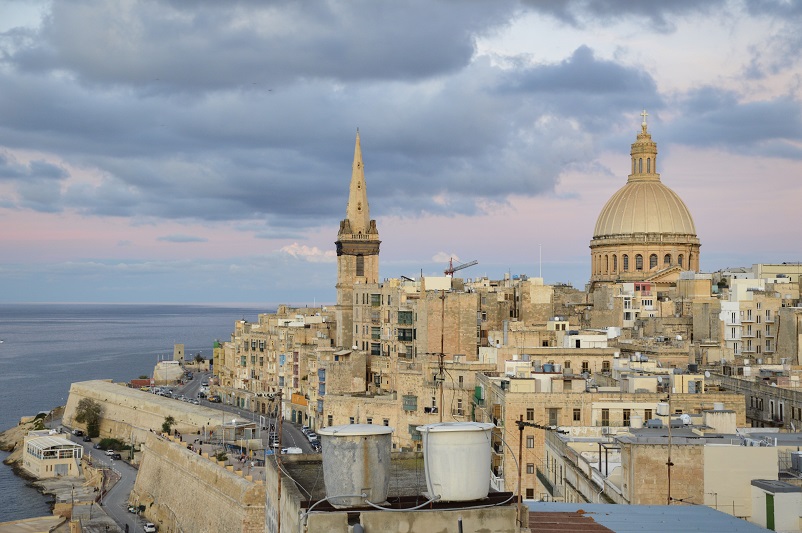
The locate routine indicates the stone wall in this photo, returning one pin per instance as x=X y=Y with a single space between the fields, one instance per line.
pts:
x=131 y=414
x=183 y=491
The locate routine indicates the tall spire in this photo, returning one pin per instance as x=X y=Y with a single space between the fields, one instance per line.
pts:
x=358 y=212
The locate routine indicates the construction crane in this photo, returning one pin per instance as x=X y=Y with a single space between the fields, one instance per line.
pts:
x=451 y=268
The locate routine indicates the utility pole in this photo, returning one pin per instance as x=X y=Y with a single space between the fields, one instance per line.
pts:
x=279 y=418
x=441 y=375
x=520 y=462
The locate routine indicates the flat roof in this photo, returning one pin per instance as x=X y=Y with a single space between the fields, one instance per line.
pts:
x=44 y=443
x=773 y=485
x=553 y=516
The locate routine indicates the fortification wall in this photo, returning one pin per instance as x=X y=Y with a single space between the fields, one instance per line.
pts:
x=183 y=491
x=131 y=414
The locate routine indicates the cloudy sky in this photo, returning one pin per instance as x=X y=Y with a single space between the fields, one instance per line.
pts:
x=200 y=151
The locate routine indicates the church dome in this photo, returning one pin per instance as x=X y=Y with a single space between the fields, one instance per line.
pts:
x=644 y=206
x=645 y=231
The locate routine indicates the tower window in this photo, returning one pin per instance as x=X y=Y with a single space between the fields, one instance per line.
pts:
x=653 y=261
x=640 y=165
x=606 y=264
x=615 y=263
x=648 y=165
x=639 y=262
x=626 y=262
x=360 y=265
x=667 y=259
x=679 y=259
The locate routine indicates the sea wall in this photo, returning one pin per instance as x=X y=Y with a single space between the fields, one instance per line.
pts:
x=183 y=491
x=131 y=414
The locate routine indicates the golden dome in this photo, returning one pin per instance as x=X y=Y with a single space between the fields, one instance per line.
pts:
x=644 y=206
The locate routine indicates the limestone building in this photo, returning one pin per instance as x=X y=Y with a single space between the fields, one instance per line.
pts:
x=645 y=231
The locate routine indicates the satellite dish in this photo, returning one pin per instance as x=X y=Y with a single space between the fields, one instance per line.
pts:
x=686 y=419
x=659 y=379
x=707 y=373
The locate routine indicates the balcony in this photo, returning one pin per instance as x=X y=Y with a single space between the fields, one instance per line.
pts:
x=498 y=448
x=496 y=482
x=458 y=412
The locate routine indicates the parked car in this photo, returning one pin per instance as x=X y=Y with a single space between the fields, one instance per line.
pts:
x=150 y=527
x=305 y=430
x=87 y=438
x=77 y=432
x=117 y=456
x=311 y=436
x=132 y=509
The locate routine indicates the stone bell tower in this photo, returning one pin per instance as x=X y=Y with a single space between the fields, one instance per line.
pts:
x=357 y=250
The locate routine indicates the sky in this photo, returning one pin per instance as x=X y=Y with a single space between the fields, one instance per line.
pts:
x=200 y=151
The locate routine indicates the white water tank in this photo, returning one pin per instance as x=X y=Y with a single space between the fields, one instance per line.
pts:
x=457 y=460
x=662 y=409
x=636 y=421
x=356 y=460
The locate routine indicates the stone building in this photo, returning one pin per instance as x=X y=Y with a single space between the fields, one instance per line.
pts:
x=644 y=232
x=505 y=401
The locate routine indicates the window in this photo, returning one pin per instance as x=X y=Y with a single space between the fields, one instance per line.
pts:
x=626 y=417
x=405 y=317
x=530 y=494
x=605 y=366
x=638 y=262
x=667 y=259
x=649 y=165
x=375 y=348
x=577 y=415
x=566 y=364
x=330 y=420
x=410 y=402
x=653 y=261
x=530 y=413
x=585 y=367
x=350 y=419
x=605 y=417
x=530 y=441
x=640 y=165
x=679 y=260
x=369 y=420
x=615 y=263
x=647 y=414
x=360 y=265
x=530 y=468
x=386 y=422
x=626 y=262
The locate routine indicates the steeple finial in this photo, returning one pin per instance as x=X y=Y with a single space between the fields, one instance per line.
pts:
x=643 y=124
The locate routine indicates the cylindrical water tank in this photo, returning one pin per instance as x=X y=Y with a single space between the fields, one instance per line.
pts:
x=558 y=367
x=636 y=421
x=457 y=459
x=548 y=367
x=356 y=460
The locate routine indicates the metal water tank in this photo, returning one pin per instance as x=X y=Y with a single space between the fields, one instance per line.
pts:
x=456 y=459
x=356 y=460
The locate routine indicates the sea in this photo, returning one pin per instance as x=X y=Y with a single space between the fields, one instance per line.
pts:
x=46 y=347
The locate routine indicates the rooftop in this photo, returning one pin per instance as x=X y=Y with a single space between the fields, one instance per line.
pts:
x=546 y=517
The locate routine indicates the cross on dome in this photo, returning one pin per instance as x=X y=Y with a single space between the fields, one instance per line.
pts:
x=644 y=115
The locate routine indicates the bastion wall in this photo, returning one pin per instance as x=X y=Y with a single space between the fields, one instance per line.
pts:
x=130 y=414
x=184 y=491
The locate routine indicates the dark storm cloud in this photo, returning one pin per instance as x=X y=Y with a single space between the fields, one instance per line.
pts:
x=38 y=170
x=715 y=117
x=191 y=46
x=657 y=15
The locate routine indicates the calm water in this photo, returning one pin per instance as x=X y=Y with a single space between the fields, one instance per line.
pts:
x=48 y=346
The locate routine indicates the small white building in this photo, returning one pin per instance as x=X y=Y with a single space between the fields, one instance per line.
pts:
x=49 y=455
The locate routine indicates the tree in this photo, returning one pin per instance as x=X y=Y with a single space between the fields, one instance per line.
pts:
x=88 y=412
x=199 y=358
x=167 y=424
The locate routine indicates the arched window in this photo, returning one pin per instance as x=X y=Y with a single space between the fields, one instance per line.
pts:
x=679 y=260
x=606 y=264
x=615 y=263
x=667 y=259
x=567 y=364
x=626 y=262
x=640 y=165
x=633 y=165
x=653 y=261
x=639 y=262
x=649 y=165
